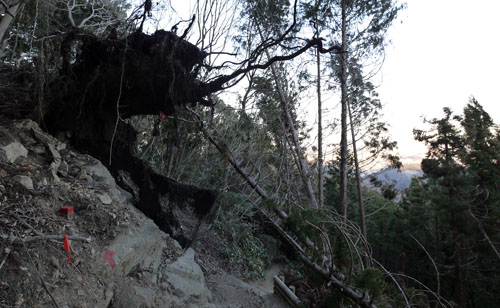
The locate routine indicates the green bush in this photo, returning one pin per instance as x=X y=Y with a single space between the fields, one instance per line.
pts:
x=240 y=243
x=372 y=280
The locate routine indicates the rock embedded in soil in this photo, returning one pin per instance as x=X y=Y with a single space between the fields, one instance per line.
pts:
x=24 y=180
x=186 y=275
x=10 y=148
x=105 y=199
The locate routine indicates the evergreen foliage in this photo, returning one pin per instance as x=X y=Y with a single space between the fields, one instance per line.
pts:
x=448 y=221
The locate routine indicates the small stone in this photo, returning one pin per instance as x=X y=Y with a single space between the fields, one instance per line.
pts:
x=13 y=151
x=56 y=274
x=82 y=173
x=54 y=262
x=56 y=158
x=105 y=199
x=55 y=178
x=24 y=180
x=80 y=292
x=26 y=124
x=87 y=178
x=63 y=169
x=61 y=146
x=39 y=149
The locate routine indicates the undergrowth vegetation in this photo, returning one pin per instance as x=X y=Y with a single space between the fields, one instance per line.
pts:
x=243 y=248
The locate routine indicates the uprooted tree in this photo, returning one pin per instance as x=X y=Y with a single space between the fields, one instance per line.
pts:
x=87 y=78
x=103 y=80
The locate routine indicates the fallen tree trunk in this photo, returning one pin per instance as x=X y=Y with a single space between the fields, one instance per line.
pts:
x=361 y=299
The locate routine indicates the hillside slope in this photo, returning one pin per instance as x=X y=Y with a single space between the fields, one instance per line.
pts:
x=118 y=257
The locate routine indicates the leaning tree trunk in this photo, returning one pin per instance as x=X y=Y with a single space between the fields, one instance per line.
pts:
x=362 y=299
x=362 y=216
x=302 y=164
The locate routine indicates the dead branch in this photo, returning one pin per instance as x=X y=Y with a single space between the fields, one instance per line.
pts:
x=7 y=253
x=438 y=291
x=483 y=232
x=44 y=285
x=218 y=83
x=22 y=240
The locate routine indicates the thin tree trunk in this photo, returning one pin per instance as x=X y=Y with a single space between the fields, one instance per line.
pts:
x=459 y=274
x=343 y=138
x=358 y=184
x=320 y=128
x=302 y=165
x=225 y=165
x=295 y=139
x=437 y=239
x=172 y=150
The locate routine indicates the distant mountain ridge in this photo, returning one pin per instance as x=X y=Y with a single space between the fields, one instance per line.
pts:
x=400 y=178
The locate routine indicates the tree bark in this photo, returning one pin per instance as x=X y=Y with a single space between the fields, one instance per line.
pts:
x=320 y=127
x=343 y=138
x=358 y=184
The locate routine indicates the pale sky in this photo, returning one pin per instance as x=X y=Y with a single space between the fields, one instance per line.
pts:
x=443 y=52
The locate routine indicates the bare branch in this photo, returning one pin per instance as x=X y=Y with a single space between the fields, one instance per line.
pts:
x=218 y=84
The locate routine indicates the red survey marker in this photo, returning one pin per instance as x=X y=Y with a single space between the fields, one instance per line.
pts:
x=108 y=257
